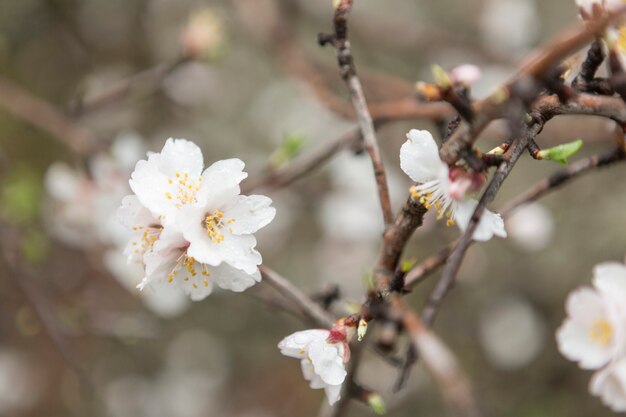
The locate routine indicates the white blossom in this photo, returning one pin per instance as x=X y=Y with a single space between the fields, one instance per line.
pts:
x=443 y=188
x=322 y=358
x=594 y=334
x=610 y=385
x=192 y=228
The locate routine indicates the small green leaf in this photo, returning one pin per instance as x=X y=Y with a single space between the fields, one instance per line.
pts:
x=441 y=76
x=562 y=152
x=376 y=403
x=20 y=196
x=291 y=147
x=407 y=265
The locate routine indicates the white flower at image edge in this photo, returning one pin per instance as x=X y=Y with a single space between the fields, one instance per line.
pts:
x=419 y=159
x=594 y=333
x=192 y=227
x=322 y=361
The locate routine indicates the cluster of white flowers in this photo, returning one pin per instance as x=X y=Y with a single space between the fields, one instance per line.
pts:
x=445 y=188
x=323 y=355
x=594 y=333
x=191 y=227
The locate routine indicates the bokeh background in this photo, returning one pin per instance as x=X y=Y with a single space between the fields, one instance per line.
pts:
x=76 y=338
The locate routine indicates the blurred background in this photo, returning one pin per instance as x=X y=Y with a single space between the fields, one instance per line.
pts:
x=88 y=86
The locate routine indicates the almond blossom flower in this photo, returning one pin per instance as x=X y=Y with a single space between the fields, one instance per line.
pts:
x=594 y=332
x=192 y=227
x=168 y=262
x=322 y=354
x=445 y=188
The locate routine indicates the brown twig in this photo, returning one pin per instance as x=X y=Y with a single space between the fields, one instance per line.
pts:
x=312 y=310
x=151 y=77
x=25 y=106
x=523 y=83
x=454 y=261
x=347 y=70
x=440 y=362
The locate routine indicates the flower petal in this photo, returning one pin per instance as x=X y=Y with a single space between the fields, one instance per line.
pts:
x=610 y=385
x=296 y=344
x=249 y=213
x=419 y=157
x=333 y=393
x=489 y=225
x=233 y=279
x=181 y=155
x=328 y=361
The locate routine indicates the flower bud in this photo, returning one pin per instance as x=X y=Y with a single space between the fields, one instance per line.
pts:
x=204 y=36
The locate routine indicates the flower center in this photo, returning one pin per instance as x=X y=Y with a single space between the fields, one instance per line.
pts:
x=148 y=238
x=601 y=332
x=429 y=198
x=214 y=223
x=189 y=264
x=186 y=188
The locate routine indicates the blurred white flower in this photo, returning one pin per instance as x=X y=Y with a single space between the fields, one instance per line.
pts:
x=509 y=26
x=531 y=226
x=594 y=333
x=511 y=332
x=465 y=74
x=322 y=355
x=610 y=385
x=443 y=188
x=351 y=211
x=192 y=227
x=164 y=302
x=19 y=383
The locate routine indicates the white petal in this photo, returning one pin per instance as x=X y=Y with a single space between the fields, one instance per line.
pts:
x=151 y=186
x=295 y=345
x=584 y=306
x=201 y=248
x=333 y=393
x=250 y=213
x=610 y=385
x=221 y=183
x=133 y=214
x=610 y=279
x=490 y=223
x=419 y=157
x=328 y=362
x=233 y=279
x=308 y=371
x=181 y=155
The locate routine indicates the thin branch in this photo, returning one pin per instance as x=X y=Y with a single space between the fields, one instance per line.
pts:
x=151 y=77
x=303 y=164
x=347 y=70
x=454 y=262
x=533 y=69
x=31 y=109
x=440 y=362
x=312 y=310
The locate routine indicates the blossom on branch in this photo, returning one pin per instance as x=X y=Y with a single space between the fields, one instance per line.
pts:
x=192 y=228
x=323 y=355
x=594 y=333
x=445 y=188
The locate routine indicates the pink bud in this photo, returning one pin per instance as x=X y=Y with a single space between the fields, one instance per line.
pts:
x=465 y=74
